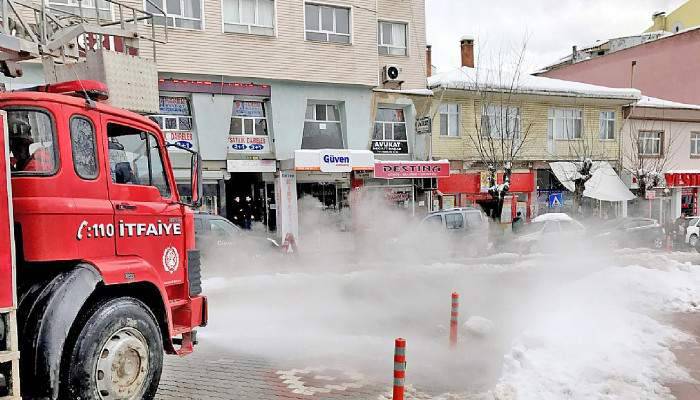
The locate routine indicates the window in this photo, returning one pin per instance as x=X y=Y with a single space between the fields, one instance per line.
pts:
x=134 y=158
x=500 y=122
x=72 y=5
x=180 y=13
x=31 y=140
x=565 y=123
x=551 y=227
x=327 y=23
x=449 y=120
x=607 y=125
x=392 y=38
x=82 y=137
x=695 y=144
x=248 y=119
x=222 y=228
x=389 y=135
x=650 y=143
x=322 y=127
x=454 y=221
x=249 y=16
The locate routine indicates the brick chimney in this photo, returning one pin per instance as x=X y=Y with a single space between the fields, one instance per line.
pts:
x=467 y=49
x=428 y=60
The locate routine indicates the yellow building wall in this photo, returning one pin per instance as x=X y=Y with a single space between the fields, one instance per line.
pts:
x=534 y=121
x=685 y=16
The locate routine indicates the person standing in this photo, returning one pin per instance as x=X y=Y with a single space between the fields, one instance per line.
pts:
x=517 y=222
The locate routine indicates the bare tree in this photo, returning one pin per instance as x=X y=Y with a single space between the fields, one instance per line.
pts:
x=497 y=132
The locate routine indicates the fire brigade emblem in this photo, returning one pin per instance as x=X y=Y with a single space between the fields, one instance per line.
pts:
x=171 y=259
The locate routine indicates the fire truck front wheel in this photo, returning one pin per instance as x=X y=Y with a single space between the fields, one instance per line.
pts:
x=116 y=353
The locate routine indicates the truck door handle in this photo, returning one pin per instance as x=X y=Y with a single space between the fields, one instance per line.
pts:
x=125 y=206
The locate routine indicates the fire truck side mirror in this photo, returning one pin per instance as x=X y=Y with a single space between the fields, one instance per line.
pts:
x=195 y=176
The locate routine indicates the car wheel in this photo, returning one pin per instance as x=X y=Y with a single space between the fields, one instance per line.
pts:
x=693 y=241
x=658 y=243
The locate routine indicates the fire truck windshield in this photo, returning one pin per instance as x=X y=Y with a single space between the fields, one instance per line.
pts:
x=31 y=137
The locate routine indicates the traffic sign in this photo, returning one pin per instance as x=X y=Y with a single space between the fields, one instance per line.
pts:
x=556 y=200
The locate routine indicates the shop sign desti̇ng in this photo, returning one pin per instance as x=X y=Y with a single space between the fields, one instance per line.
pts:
x=413 y=169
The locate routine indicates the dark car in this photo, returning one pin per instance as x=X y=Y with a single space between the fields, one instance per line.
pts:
x=632 y=232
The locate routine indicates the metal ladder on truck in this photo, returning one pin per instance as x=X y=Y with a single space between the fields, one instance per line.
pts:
x=9 y=345
x=82 y=43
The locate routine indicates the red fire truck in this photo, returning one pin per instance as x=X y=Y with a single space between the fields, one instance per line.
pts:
x=107 y=271
x=99 y=275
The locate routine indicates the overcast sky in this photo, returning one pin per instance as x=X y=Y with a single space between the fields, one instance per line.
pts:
x=550 y=26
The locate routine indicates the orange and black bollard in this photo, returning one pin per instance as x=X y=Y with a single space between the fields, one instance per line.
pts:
x=399 y=368
x=454 y=319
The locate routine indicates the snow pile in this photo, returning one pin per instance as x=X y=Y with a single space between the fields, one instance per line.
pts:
x=480 y=79
x=596 y=340
x=478 y=326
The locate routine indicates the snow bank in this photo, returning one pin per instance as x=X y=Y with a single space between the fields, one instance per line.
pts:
x=598 y=340
x=480 y=79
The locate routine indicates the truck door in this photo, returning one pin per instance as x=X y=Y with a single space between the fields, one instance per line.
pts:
x=148 y=222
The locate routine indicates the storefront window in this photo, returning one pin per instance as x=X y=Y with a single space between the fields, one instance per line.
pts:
x=389 y=135
x=175 y=120
x=248 y=119
x=322 y=127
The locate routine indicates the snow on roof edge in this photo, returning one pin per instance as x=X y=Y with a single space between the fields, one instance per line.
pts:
x=653 y=102
x=466 y=78
x=419 y=92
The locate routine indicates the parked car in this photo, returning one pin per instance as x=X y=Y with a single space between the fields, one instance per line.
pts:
x=692 y=232
x=467 y=227
x=216 y=232
x=631 y=232
x=551 y=231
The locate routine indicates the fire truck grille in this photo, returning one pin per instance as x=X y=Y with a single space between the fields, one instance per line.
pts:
x=194 y=272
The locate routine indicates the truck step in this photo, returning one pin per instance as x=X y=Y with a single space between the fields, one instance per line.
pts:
x=177 y=303
x=180 y=329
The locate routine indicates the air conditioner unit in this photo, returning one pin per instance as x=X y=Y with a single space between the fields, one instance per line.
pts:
x=391 y=73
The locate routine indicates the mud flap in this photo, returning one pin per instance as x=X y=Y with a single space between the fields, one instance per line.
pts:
x=48 y=322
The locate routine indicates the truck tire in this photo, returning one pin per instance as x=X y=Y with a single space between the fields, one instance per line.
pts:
x=115 y=353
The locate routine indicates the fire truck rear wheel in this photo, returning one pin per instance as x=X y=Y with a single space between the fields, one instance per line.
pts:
x=117 y=353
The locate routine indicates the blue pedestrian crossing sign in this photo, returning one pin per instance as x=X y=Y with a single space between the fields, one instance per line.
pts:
x=556 y=200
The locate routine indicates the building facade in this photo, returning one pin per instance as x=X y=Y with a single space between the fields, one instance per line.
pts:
x=251 y=83
x=664 y=68
x=662 y=138
x=478 y=113
x=684 y=17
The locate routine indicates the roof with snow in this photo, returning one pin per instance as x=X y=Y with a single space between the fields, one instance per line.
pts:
x=480 y=79
x=653 y=102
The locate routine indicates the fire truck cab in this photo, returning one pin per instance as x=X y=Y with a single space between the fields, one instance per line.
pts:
x=108 y=277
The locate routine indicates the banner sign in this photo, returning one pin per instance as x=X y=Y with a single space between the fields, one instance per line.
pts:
x=248 y=109
x=411 y=169
x=286 y=200
x=174 y=105
x=184 y=139
x=389 y=147
x=248 y=144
